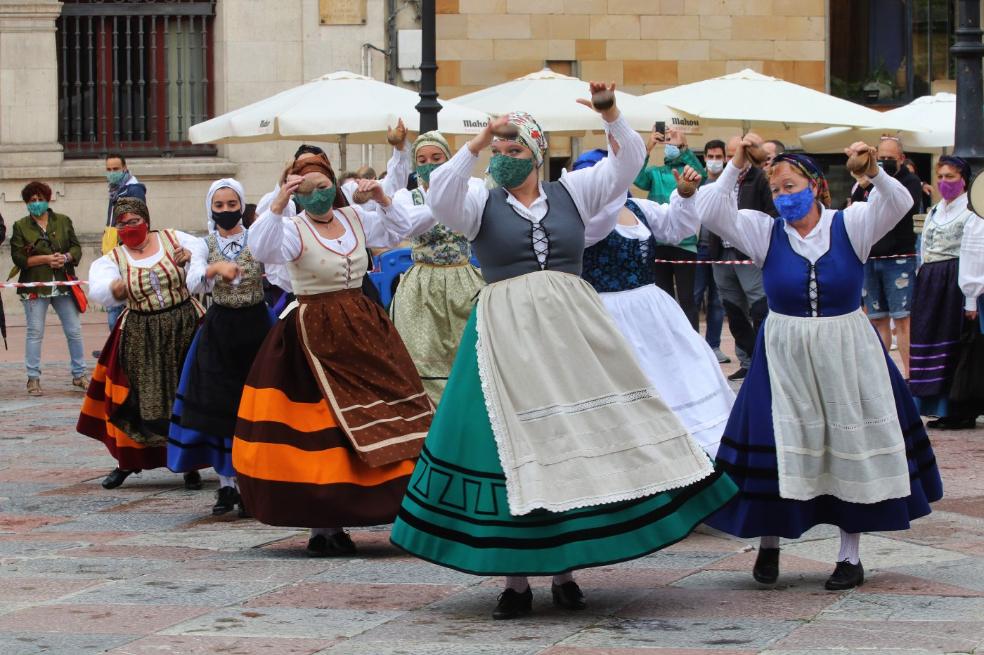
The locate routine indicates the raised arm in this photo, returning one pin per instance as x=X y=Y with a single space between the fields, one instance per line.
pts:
x=867 y=222
x=717 y=207
x=398 y=170
x=421 y=217
x=456 y=198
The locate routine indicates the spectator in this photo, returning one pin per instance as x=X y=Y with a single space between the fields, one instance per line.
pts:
x=249 y=214
x=888 y=283
x=772 y=148
x=705 y=291
x=44 y=248
x=926 y=199
x=740 y=285
x=659 y=182
x=3 y=318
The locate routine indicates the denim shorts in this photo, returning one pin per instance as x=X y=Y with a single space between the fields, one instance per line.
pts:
x=888 y=287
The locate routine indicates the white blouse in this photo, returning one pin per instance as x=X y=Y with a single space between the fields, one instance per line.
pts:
x=751 y=231
x=104 y=271
x=421 y=216
x=971 y=266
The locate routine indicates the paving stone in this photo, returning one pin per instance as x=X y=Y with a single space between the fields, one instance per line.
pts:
x=55 y=504
x=188 y=645
x=142 y=591
x=395 y=572
x=128 y=522
x=967 y=573
x=722 y=603
x=894 y=582
x=172 y=553
x=33 y=547
x=81 y=567
x=573 y=650
x=742 y=634
x=323 y=595
x=18 y=523
x=97 y=619
x=42 y=589
x=221 y=570
x=232 y=540
x=934 y=636
x=282 y=622
x=788 y=564
x=675 y=560
x=617 y=577
x=429 y=648
x=876 y=552
x=888 y=607
x=743 y=581
x=36 y=643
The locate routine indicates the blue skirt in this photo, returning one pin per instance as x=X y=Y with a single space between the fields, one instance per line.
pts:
x=748 y=455
x=205 y=407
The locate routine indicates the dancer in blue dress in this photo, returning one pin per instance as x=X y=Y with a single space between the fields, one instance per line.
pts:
x=824 y=429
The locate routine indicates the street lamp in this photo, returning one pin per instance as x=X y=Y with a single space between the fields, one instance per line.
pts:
x=428 y=105
x=967 y=50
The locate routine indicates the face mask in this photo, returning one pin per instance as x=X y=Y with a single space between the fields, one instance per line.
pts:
x=115 y=177
x=890 y=166
x=424 y=172
x=227 y=220
x=671 y=151
x=715 y=166
x=133 y=236
x=319 y=202
x=794 y=206
x=37 y=207
x=951 y=190
x=509 y=172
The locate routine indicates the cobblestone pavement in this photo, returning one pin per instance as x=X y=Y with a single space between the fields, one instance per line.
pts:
x=145 y=570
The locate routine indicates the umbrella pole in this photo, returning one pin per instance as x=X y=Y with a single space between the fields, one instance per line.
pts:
x=343 y=151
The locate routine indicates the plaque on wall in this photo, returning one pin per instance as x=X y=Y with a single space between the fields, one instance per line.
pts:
x=342 y=12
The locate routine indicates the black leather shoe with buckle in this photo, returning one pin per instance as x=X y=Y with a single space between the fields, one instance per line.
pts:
x=845 y=576
x=513 y=604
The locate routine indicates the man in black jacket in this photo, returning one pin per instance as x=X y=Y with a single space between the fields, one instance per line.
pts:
x=740 y=285
x=888 y=282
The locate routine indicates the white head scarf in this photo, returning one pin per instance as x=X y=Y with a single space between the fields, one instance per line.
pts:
x=224 y=183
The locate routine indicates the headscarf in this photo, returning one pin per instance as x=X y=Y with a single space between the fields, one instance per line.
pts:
x=808 y=167
x=320 y=164
x=958 y=163
x=432 y=138
x=129 y=205
x=589 y=159
x=530 y=134
x=224 y=183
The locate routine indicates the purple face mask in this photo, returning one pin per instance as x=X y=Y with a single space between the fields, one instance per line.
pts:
x=951 y=190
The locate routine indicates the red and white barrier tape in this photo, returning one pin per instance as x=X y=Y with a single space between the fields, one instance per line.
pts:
x=31 y=285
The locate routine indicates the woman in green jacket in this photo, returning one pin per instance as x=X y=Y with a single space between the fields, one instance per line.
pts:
x=659 y=182
x=44 y=248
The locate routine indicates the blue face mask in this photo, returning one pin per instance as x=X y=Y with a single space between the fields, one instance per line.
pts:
x=37 y=207
x=794 y=206
x=670 y=151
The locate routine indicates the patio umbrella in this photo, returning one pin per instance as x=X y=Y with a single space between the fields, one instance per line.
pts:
x=342 y=107
x=551 y=98
x=749 y=99
x=933 y=115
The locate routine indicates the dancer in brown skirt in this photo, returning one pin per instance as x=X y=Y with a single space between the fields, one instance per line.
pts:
x=333 y=412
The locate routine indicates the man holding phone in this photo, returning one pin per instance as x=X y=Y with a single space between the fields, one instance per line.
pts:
x=659 y=182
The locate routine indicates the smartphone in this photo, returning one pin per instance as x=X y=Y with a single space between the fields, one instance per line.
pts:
x=660 y=126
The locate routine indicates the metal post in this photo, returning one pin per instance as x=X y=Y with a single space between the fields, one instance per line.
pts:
x=967 y=51
x=428 y=105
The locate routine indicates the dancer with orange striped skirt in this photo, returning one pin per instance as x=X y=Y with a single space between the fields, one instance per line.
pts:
x=128 y=402
x=333 y=412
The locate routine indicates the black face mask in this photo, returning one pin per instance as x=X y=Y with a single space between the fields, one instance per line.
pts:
x=890 y=166
x=227 y=220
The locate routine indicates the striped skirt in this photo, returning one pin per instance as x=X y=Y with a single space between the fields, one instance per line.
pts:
x=296 y=462
x=937 y=324
x=128 y=403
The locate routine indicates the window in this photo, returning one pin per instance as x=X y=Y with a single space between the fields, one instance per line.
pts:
x=134 y=75
x=889 y=51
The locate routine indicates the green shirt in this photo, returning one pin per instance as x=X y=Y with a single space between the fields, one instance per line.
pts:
x=659 y=183
x=27 y=240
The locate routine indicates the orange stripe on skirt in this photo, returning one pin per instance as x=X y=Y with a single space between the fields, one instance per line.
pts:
x=274 y=406
x=283 y=463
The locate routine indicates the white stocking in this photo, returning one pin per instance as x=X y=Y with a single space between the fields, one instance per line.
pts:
x=518 y=583
x=850 y=548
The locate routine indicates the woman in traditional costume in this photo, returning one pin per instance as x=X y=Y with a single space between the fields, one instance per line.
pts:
x=550 y=451
x=333 y=411
x=436 y=295
x=824 y=429
x=215 y=370
x=128 y=403
x=941 y=332
x=680 y=365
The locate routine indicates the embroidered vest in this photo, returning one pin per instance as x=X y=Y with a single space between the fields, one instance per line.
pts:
x=156 y=287
x=249 y=291
x=320 y=269
x=439 y=246
x=942 y=242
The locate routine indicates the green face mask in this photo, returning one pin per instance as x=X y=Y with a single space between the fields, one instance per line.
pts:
x=509 y=172
x=37 y=207
x=115 y=177
x=318 y=202
x=424 y=172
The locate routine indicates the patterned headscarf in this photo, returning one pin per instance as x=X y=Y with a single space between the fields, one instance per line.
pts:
x=810 y=169
x=131 y=206
x=224 y=183
x=530 y=134
x=432 y=138
x=958 y=163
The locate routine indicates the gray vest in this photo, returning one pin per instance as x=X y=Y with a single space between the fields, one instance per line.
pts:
x=504 y=244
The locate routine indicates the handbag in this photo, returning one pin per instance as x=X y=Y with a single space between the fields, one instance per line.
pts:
x=78 y=295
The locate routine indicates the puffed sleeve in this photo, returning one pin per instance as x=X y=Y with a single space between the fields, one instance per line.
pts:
x=971 y=266
x=421 y=217
x=274 y=239
x=456 y=199
x=386 y=226
x=867 y=222
x=717 y=206
x=671 y=222
x=102 y=273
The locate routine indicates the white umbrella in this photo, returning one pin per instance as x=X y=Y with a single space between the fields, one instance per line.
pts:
x=750 y=99
x=551 y=98
x=340 y=106
x=934 y=115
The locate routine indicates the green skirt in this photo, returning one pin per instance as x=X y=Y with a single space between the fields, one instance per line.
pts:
x=456 y=514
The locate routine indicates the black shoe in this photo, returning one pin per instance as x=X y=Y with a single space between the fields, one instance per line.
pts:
x=845 y=576
x=739 y=374
x=226 y=499
x=243 y=512
x=513 y=604
x=317 y=546
x=116 y=477
x=948 y=423
x=336 y=545
x=766 y=569
x=568 y=596
x=193 y=481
